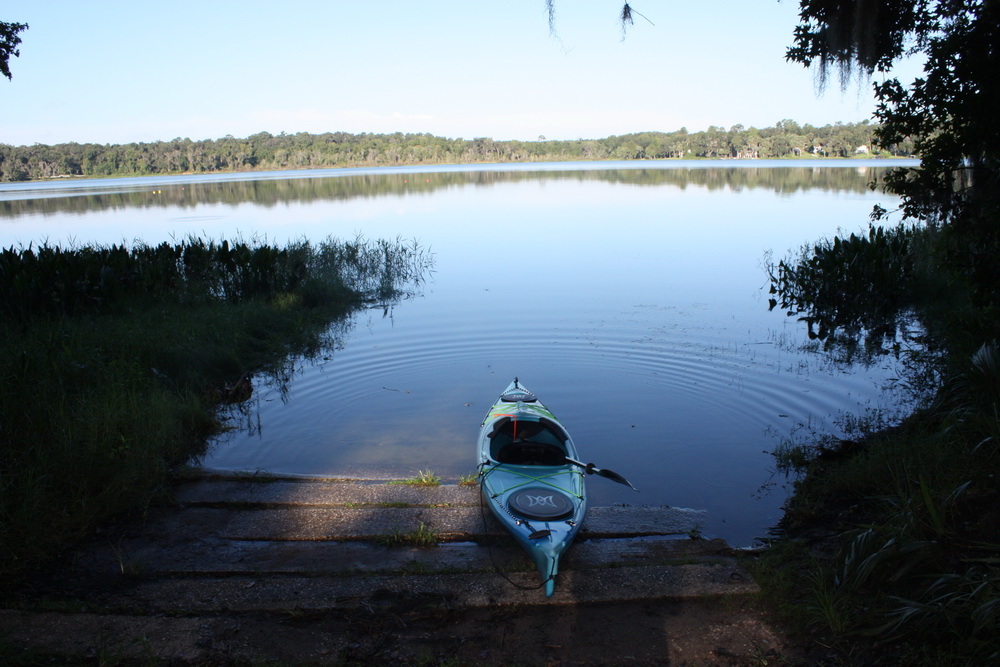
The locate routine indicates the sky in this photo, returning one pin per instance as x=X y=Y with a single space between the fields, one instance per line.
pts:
x=117 y=72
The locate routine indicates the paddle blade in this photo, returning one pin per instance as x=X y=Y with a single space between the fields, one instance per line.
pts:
x=591 y=469
x=614 y=477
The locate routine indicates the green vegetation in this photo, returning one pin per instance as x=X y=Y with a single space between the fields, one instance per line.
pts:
x=887 y=273
x=893 y=538
x=422 y=478
x=9 y=41
x=116 y=362
x=267 y=152
x=421 y=536
x=55 y=282
x=891 y=546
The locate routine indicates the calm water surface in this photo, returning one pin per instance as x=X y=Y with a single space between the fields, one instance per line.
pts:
x=630 y=297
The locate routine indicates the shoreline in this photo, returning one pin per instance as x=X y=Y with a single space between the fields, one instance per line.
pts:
x=433 y=166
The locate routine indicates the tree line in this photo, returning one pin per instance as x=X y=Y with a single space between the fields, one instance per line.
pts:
x=267 y=152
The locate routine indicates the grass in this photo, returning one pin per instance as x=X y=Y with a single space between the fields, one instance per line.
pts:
x=97 y=409
x=891 y=543
x=421 y=536
x=102 y=401
x=422 y=478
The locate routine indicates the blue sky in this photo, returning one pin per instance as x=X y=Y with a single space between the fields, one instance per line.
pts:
x=115 y=72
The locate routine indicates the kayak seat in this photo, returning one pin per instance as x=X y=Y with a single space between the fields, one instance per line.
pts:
x=530 y=453
x=544 y=442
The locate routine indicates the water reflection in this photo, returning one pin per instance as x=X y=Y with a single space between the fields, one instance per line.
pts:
x=633 y=300
x=17 y=200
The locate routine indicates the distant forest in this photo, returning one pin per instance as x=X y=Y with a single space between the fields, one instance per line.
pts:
x=267 y=152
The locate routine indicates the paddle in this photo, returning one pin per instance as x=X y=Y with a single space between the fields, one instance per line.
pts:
x=591 y=469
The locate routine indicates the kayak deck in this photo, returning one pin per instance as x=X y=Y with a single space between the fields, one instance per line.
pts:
x=526 y=480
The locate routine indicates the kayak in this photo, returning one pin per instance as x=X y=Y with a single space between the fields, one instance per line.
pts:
x=528 y=480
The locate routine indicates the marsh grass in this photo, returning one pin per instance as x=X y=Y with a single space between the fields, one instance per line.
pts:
x=107 y=388
x=904 y=521
x=912 y=514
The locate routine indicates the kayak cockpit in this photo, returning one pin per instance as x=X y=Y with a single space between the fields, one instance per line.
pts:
x=540 y=442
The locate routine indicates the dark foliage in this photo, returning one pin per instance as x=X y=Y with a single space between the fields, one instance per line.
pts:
x=949 y=114
x=51 y=281
x=118 y=363
x=917 y=565
x=9 y=41
x=859 y=286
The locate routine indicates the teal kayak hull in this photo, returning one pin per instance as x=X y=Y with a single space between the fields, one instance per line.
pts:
x=525 y=479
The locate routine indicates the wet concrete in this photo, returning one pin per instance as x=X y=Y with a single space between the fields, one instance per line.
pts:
x=263 y=546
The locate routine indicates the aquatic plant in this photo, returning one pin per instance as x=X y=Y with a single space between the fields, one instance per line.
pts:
x=54 y=281
x=116 y=374
x=849 y=288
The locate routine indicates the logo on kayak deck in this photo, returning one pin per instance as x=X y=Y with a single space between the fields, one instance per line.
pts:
x=540 y=501
x=541 y=504
x=518 y=395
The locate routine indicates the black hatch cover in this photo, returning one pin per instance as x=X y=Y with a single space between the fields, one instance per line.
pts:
x=535 y=502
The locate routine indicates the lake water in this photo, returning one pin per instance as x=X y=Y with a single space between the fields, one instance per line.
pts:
x=631 y=297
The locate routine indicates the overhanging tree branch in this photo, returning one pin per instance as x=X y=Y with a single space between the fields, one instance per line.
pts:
x=9 y=42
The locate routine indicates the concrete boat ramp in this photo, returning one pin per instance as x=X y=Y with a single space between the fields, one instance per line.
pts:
x=263 y=546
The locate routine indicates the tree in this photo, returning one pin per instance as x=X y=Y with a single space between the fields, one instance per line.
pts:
x=947 y=116
x=949 y=113
x=9 y=42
